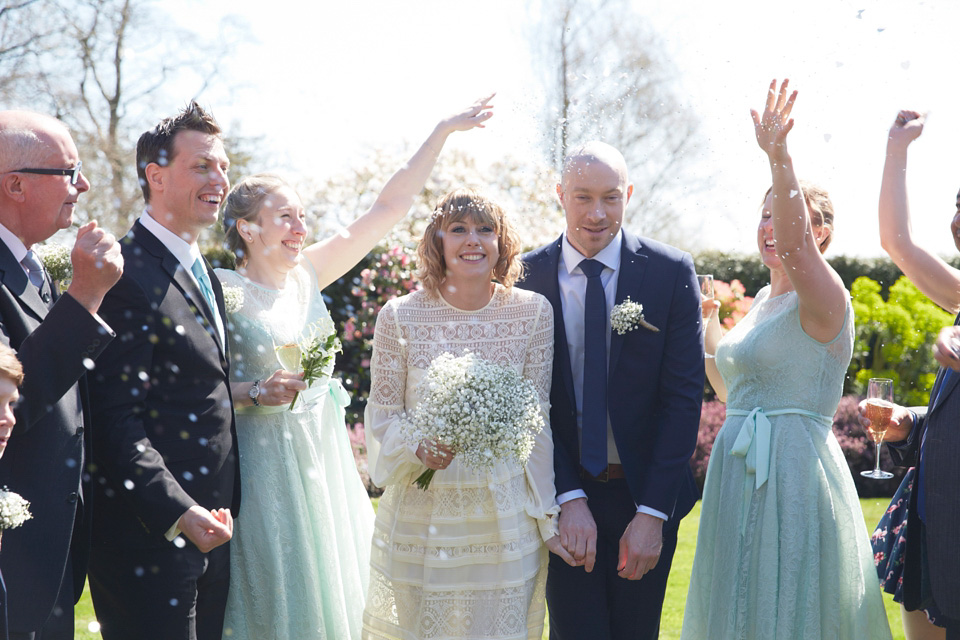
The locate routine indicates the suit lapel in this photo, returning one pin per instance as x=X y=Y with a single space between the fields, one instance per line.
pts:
x=14 y=278
x=551 y=291
x=184 y=282
x=633 y=265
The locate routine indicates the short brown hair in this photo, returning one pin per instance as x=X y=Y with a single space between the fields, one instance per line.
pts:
x=454 y=207
x=156 y=145
x=243 y=203
x=10 y=366
x=820 y=207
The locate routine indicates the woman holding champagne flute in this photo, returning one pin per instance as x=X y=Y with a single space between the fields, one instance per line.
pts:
x=300 y=553
x=923 y=598
x=782 y=551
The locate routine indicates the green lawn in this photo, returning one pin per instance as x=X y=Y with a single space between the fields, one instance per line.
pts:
x=676 y=587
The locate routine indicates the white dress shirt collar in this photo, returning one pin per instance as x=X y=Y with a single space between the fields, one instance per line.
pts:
x=609 y=255
x=13 y=243
x=185 y=252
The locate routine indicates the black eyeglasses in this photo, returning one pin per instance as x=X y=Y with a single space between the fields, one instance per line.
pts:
x=73 y=173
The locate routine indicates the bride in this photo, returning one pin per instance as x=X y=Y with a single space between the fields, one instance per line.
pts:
x=300 y=555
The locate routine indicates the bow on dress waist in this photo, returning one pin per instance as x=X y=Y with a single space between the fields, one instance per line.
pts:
x=753 y=445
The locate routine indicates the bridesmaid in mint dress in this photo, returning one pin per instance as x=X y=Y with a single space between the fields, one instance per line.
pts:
x=300 y=554
x=782 y=550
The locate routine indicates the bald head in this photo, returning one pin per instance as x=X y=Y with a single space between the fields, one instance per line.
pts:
x=594 y=152
x=28 y=138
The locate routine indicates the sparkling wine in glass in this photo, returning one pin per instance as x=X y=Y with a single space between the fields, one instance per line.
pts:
x=879 y=409
x=289 y=355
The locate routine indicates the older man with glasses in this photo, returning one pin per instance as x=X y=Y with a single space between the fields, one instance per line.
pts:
x=57 y=338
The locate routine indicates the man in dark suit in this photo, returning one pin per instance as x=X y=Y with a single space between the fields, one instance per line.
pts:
x=625 y=404
x=165 y=448
x=57 y=338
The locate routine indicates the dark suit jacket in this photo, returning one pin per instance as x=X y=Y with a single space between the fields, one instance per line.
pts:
x=941 y=423
x=655 y=380
x=165 y=437
x=49 y=448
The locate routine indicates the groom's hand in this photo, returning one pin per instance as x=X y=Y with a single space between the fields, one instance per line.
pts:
x=640 y=546
x=578 y=532
x=207 y=530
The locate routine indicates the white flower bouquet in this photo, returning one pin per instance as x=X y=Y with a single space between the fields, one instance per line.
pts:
x=14 y=510
x=485 y=412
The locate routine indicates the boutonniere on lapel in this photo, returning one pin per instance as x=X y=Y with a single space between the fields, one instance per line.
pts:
x=232 y=299
x=627 y=316
x=56 y=261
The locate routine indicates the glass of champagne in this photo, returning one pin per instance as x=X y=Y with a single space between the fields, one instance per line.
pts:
x=288 y=355
x=706 y=290
x=879 y=411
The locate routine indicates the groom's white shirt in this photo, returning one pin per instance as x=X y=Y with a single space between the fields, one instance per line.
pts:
x=573 y=293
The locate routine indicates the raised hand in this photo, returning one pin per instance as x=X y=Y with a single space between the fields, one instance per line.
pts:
x=472 y=117
x=775 y=123
x=907 y=127
x=97 y=265
x=947 y=349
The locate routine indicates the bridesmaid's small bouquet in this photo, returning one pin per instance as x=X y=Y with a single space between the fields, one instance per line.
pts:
x=232 y=299
x=318 y=345
x=486 y=412
x=14 y=510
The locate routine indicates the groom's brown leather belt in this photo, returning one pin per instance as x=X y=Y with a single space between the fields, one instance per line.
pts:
x=612 y=472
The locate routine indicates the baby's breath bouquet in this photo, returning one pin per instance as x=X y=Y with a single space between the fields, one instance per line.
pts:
x=56 y=260
x=14 y=510
x=318 y=345
x=232 y=299
x=485 y=412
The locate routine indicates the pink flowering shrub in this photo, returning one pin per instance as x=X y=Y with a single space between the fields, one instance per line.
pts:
x=733 y=303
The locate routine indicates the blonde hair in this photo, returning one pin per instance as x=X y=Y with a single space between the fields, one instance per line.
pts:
x=10 y=366
x=244 y=203
x=454 y=207
x=820 y=207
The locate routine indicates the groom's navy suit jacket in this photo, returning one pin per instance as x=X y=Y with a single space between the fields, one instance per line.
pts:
x=655 y=379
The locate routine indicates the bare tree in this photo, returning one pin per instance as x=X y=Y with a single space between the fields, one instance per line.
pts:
x=106 y=70
x=607 y=78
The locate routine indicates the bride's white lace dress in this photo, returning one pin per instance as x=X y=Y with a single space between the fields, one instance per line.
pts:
x=300 y=551
x=465 y=558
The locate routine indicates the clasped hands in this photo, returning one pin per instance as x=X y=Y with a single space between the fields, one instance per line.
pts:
x=640 y=544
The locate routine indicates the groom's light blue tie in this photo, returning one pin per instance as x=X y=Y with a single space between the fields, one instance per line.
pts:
x=593 y=447
x=200 y=273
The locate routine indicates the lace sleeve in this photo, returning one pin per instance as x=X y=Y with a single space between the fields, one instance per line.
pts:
x=538 y=367
x=390 y=458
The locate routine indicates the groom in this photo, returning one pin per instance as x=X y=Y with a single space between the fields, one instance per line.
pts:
x=625 y=406
x=165 y=446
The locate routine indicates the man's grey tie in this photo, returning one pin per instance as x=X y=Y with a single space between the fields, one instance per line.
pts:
x=34 y=269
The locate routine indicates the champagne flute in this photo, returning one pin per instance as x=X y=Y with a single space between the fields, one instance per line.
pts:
x=879 y=408
x=289 y=356
x=705 y=282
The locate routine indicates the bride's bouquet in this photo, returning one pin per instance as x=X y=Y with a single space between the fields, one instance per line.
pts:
x=485 y=412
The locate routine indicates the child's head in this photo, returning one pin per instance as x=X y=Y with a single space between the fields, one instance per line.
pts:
x=11 y=377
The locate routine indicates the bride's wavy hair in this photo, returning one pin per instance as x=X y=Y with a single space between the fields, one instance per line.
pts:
x=243 y=203
x=460 y=205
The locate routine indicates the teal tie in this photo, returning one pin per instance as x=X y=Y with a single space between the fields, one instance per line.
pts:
x=200 y=273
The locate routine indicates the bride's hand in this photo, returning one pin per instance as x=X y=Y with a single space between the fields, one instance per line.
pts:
x=280 y=388
x=553 y=544
x=775 y=123
x=435 y=455
x=473 y=116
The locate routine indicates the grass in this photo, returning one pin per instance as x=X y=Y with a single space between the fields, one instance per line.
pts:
x=672 y=618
